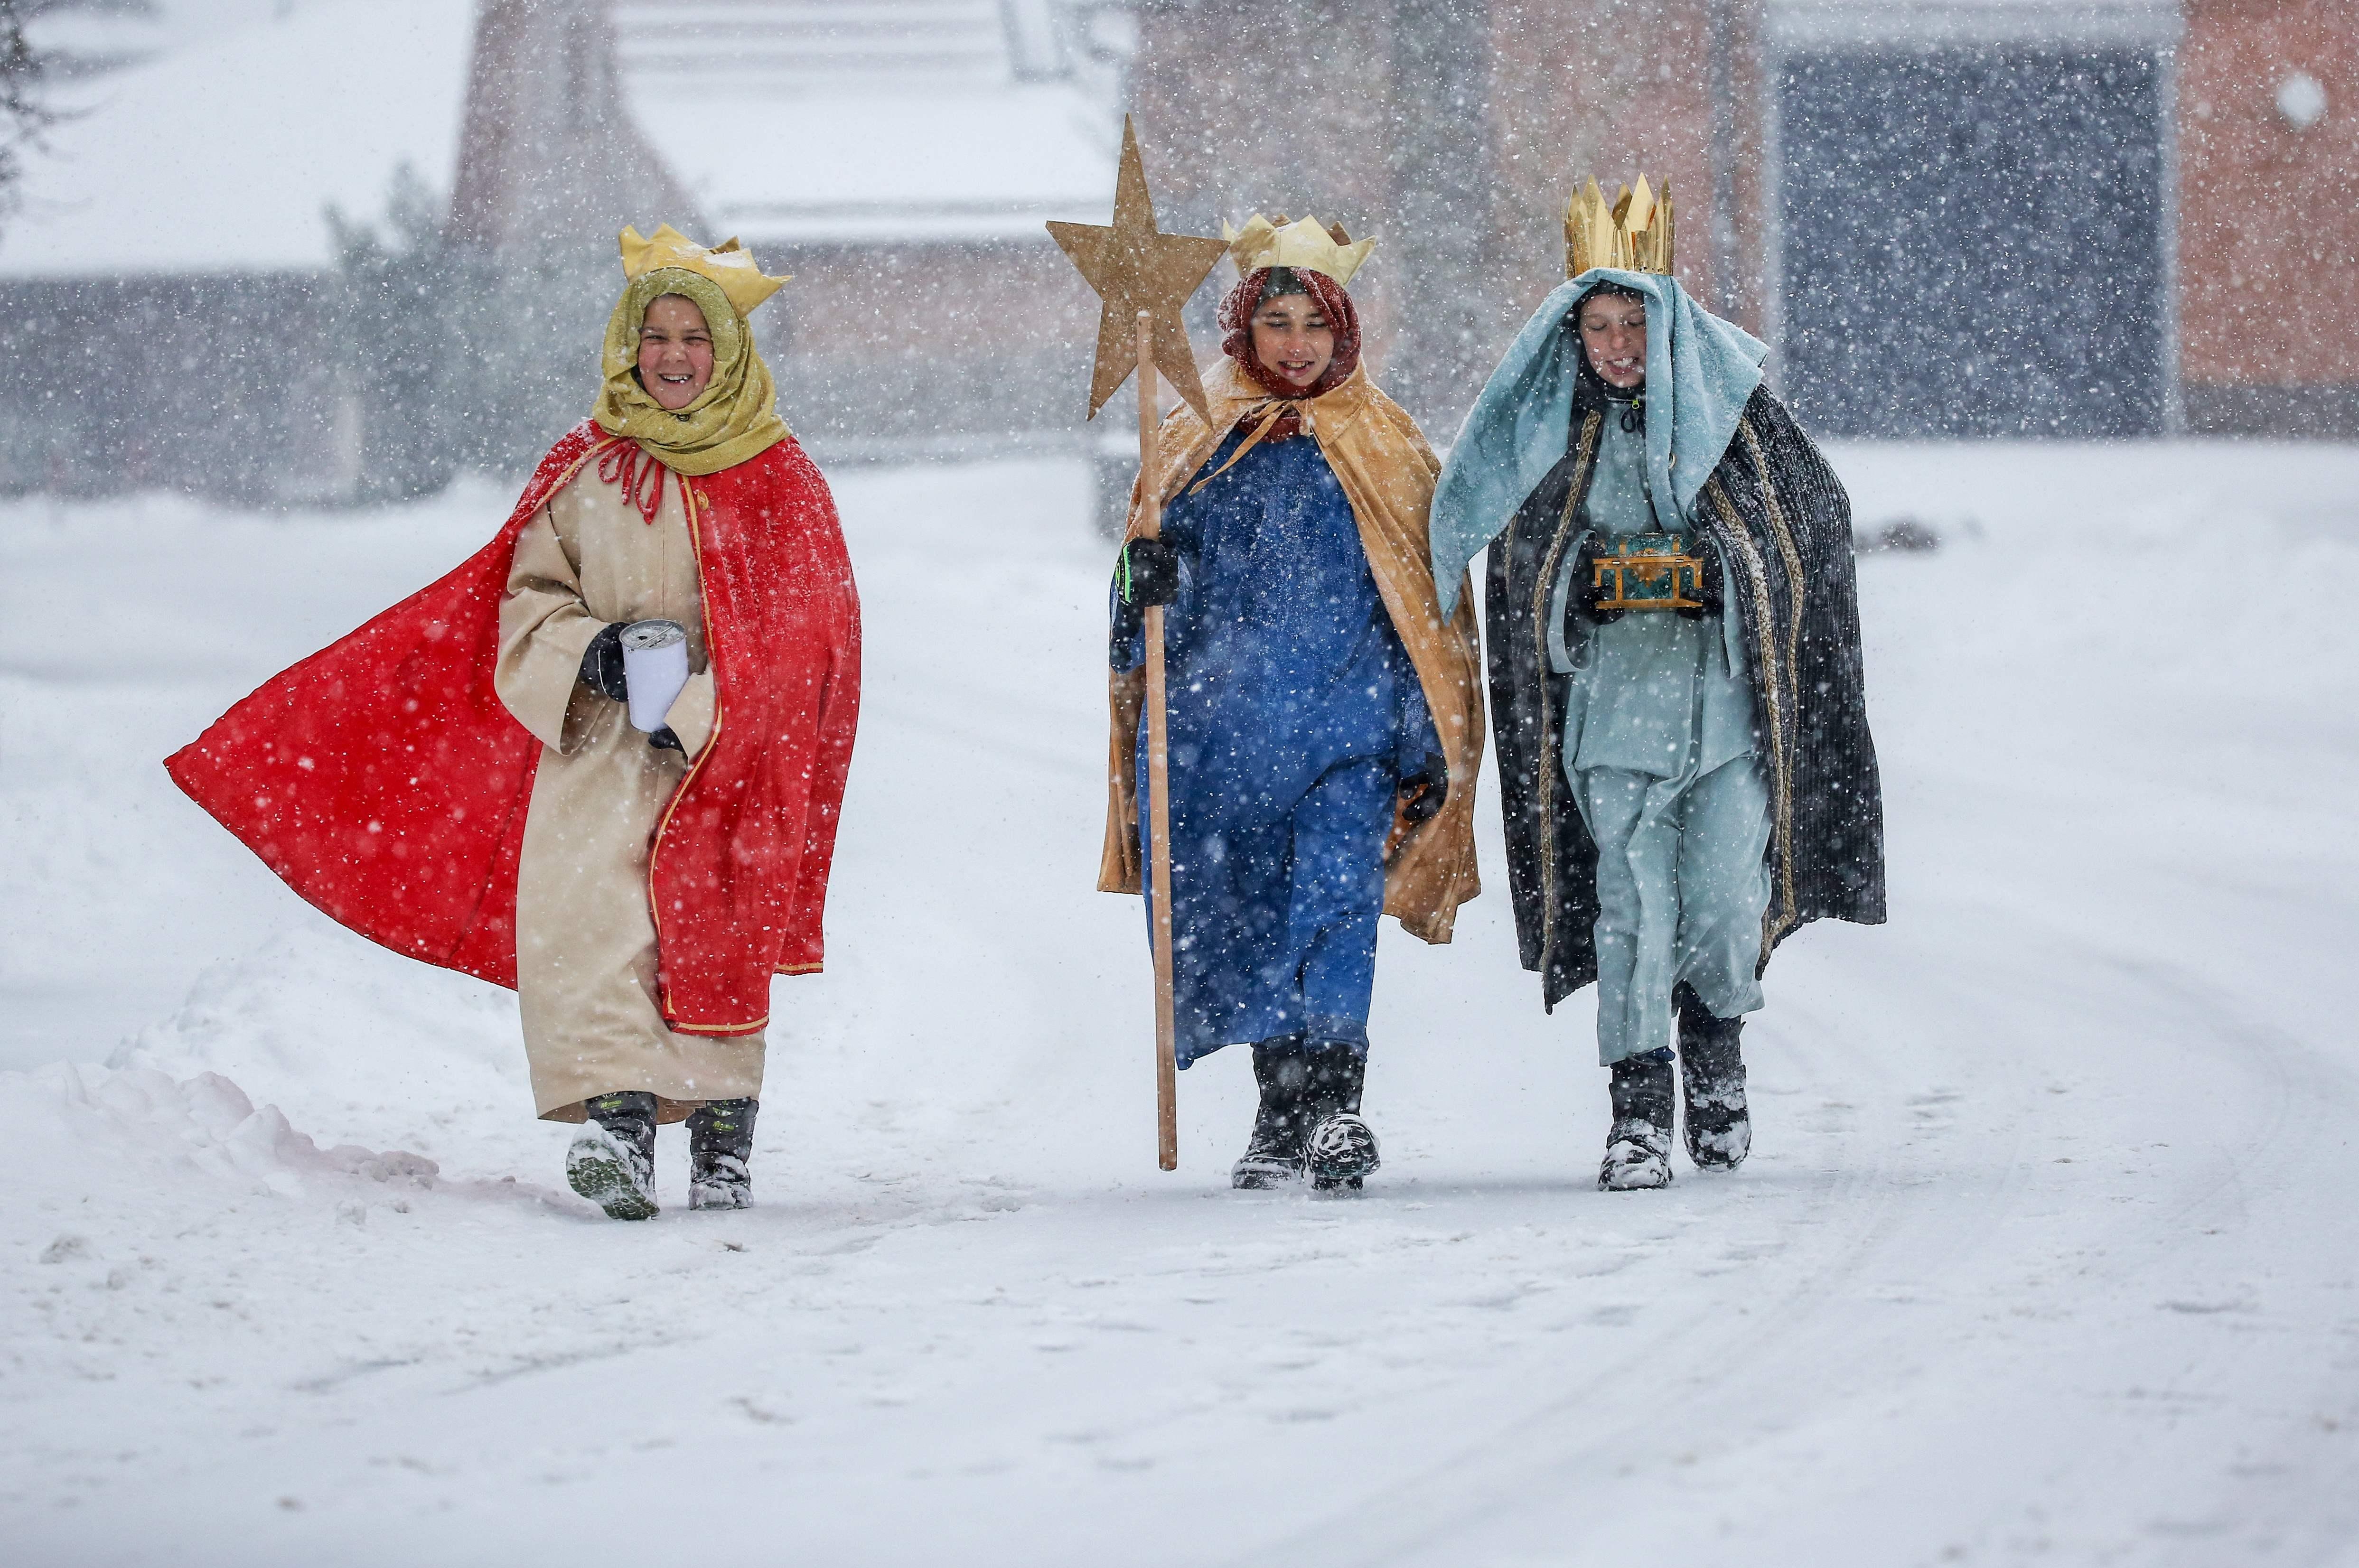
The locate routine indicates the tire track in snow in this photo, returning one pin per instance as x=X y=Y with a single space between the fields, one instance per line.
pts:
x=1844 y=1220
x=1874 y=1221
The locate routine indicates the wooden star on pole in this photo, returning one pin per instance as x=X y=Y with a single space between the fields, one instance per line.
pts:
x=1134 y=266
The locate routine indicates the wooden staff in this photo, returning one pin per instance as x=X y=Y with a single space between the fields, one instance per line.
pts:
x=1137 y=267
x=1158 y=773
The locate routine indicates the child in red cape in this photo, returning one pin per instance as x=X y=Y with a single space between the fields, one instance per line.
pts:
x=460 y=778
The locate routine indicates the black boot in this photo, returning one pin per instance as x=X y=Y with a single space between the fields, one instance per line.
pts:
x=1712 y=1073
x=612 y=1161
x=1638 y=1149
x=1340 y=1148
x=720 y=1146
x=1274 y=1156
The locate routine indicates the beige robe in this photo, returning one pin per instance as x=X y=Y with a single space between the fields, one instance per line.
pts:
x=586 y=938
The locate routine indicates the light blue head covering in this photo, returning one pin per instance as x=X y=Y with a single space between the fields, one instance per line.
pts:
x=1515 y=431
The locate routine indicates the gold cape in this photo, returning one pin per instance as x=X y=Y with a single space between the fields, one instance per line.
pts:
x=735 y=418
x=1387 y=475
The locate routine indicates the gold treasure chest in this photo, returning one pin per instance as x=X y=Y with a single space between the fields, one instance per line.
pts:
x=1649 y=571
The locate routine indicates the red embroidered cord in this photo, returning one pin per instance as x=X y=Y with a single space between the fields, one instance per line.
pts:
x=626 y=464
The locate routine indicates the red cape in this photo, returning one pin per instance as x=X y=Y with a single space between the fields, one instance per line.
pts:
x=386 y=782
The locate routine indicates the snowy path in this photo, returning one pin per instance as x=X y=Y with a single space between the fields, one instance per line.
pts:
x=2047 y=1253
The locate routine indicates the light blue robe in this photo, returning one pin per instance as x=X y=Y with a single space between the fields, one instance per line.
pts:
x=1701 y=372
x=1659 y=747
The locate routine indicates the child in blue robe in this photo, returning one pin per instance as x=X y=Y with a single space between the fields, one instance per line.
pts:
x=1304 y=751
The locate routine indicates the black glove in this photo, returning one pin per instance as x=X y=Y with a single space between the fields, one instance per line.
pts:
x=1587 y=592
x=1710 y=586
x=603 y=672
x=1146 y=572
x=1422 y=792
x=601 y=664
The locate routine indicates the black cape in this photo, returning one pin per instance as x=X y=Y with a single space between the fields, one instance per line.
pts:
x=1783 y=526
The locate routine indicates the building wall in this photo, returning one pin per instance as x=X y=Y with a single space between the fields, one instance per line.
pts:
x=1912 y=303
x=1243 y=107
x=1454 y=132
x=916 y=349
x=1597 y=87
x=896 y=349
x=2268 y=219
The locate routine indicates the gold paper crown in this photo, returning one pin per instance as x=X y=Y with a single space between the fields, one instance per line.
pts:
x=1633 y=234
x=729 y=264
x=1306 y=245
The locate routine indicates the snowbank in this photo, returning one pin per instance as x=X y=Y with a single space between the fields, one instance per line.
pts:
x=138 y=1131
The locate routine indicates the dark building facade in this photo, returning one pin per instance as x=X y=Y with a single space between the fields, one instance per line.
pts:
x=1971 y=219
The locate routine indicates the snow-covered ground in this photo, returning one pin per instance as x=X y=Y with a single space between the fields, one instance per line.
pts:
x=2048 y=1252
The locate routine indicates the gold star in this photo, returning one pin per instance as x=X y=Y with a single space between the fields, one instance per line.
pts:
x=1134 y=266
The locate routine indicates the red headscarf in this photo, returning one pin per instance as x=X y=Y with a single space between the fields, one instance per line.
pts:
x=1236 y=325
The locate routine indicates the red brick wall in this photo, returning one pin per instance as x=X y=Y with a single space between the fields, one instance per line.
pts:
x=2268 y=216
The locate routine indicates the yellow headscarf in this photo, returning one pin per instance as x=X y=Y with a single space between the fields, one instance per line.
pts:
x=734 y=417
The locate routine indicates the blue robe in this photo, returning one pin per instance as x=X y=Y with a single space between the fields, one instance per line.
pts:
x=1294 y=713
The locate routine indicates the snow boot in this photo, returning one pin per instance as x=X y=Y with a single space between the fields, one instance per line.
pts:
x=1340 y=1148
x=1711 y=1074
x=612 y=1161
x=719 y=1143
x=1639 y=1148
x=1273 y=1156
